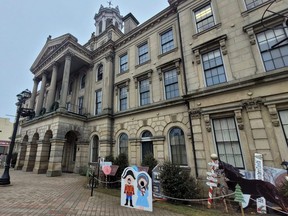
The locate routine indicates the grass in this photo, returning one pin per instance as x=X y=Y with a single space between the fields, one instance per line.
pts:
x=195 y=209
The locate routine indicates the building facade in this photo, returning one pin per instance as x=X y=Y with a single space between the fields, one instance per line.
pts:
x=6 y=128
x=199 y=77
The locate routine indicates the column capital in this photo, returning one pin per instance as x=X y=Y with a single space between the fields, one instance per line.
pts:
x=36 y=79
x=68 y=54
x=55 y=64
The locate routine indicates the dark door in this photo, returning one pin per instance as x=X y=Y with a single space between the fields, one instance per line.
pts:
x=147 y=148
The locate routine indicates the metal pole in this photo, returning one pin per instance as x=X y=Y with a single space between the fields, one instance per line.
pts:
x=5 y=179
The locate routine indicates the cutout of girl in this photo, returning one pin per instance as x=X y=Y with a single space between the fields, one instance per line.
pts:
x=142 y=190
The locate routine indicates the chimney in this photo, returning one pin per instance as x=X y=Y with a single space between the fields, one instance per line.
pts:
x=130 y=23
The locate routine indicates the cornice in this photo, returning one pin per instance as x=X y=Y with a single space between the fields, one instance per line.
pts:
x=109 y=45
x=141 y=29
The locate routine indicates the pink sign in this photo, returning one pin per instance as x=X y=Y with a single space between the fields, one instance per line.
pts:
x=106 y=169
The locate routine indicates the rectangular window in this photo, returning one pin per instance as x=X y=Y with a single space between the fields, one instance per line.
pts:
x=98 y=102
x=227 y=142
x=204 y=18
x=80 y=105
x=213 y=68
x=123 y=98
x=253 y=3
x=171 y=84
x=123 y=63
x=284 y=121
x=167 y=41
x=144 y=90
x=273 y=57
x=143 y=53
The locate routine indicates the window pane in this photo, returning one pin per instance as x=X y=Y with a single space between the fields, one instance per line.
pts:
x=177 y=146
x=275 y=57
x=284 y=121
x=213 y=68
x=171 y=84
x=204 y=18
x=227 y=141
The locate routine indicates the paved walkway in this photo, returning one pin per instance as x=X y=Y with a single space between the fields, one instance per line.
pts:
x=34 y=194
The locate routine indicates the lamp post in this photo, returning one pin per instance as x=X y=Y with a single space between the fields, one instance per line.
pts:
x=284 y=164
x=24 y=112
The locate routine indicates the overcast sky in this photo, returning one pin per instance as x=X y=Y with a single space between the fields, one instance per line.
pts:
x=26 y=24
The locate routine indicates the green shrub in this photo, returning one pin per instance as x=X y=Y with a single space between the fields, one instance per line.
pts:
x=150 y=162
x=177 y=182
x=110 y=158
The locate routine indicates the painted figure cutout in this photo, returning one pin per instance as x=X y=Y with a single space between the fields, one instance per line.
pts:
x=142 y=190
x=129 y=188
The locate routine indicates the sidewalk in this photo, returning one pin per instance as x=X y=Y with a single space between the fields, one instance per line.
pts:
x=33 y=194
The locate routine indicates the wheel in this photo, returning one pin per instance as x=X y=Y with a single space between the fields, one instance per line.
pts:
x=94 y=183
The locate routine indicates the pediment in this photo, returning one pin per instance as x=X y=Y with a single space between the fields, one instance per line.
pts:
x=50 y=47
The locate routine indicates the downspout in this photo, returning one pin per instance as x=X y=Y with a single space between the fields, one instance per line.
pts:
x=186 y=90
x=112 y=105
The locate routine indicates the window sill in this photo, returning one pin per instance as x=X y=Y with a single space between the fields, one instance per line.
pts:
x=124 y=72
x=139 y=65
x=217 y=26
x=168 y=52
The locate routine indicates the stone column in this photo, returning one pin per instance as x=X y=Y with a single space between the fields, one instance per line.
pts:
x=65 y=80
x=55 y=161
x=42 y=155
x=34 y=92
x=29 y=161
x=108 y=84
x=159 y=151
x=21 y=156
x=52 y=90
x=41 y=94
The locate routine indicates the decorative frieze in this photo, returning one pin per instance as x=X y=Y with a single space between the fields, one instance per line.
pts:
x=252 y=104
x=195 y=112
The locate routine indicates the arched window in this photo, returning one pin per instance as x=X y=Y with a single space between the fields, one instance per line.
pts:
x=100 y=72
x=95 y=149
x=146 y=144
x=123 y=144
x=82 y=84
x=177 y=146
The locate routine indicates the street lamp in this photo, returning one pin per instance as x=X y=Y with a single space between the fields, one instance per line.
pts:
x=24 y=112
x=284 y=164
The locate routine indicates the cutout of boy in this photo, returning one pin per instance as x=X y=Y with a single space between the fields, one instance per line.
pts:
x=129 y=188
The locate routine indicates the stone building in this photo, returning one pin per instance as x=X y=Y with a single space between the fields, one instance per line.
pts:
x=199 y=77
x=6 y=128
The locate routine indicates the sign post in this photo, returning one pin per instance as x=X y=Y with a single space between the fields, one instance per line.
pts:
x=212 y=178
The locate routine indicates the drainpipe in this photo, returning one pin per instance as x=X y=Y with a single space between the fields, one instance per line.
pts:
x=112 y=106
x=186 y=90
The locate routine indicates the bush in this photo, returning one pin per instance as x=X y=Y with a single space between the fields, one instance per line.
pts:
x=177 y=182
x=150 y=162
x=122 y=162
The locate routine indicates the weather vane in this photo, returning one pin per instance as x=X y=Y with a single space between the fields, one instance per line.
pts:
x=110 y=3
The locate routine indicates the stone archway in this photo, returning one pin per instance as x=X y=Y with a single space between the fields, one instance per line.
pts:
x=22 y=153
x=31 y=151
x=69 y=152
x=43 y=154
